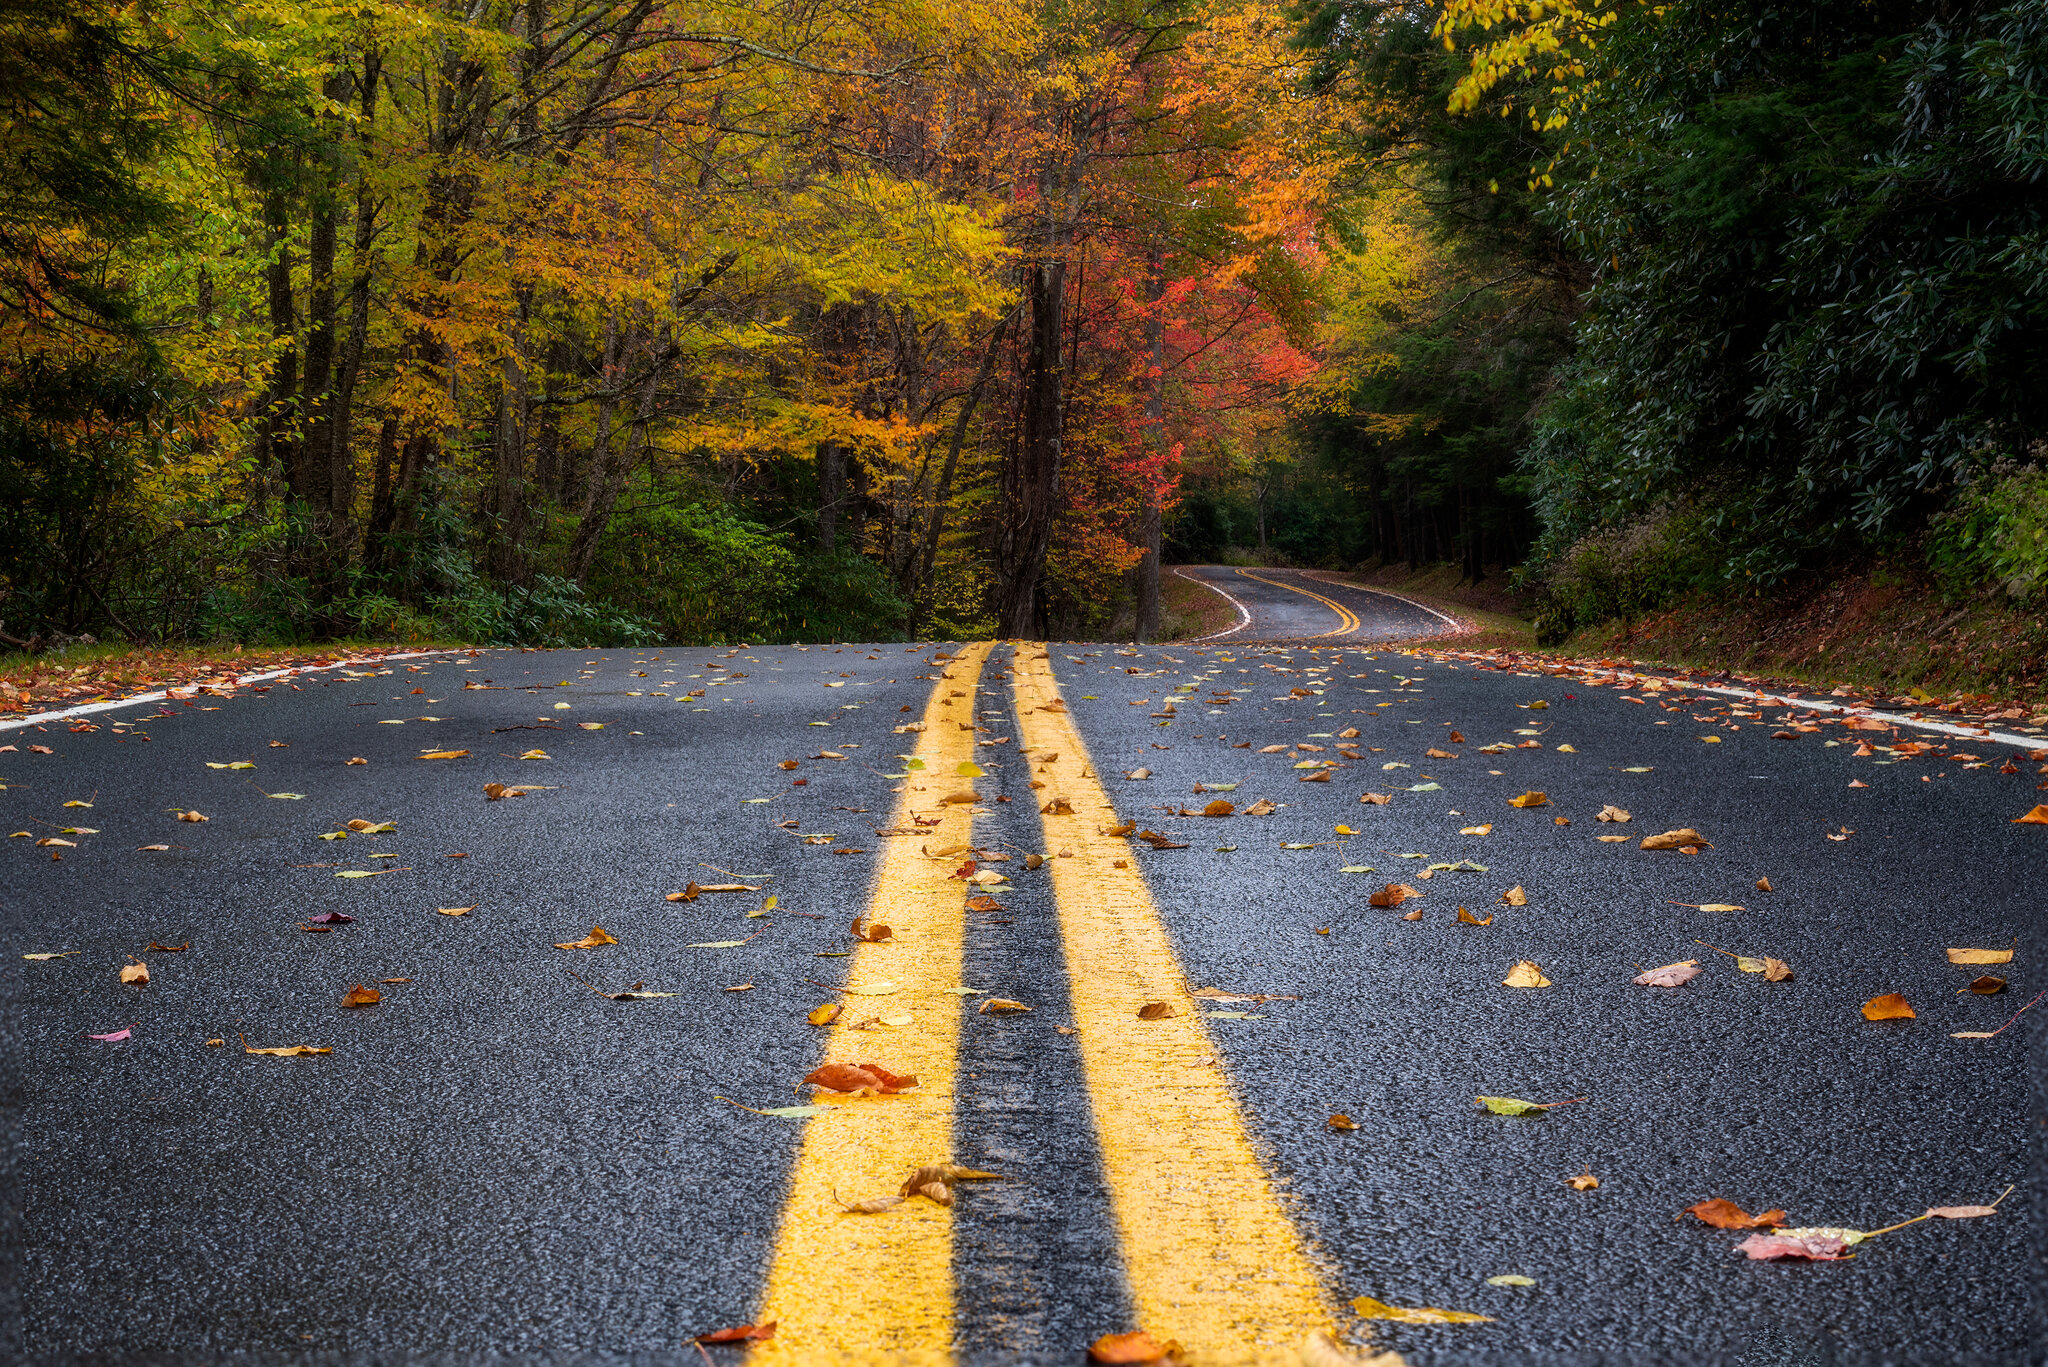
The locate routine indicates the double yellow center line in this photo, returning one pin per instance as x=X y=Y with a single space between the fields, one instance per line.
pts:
x=1347 y=620
x=1211 y=1258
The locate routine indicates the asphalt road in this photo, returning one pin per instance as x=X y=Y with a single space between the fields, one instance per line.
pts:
x=496 y=1159
x=1298 y=605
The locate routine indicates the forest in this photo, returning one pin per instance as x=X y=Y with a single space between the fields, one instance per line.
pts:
x=621 y=321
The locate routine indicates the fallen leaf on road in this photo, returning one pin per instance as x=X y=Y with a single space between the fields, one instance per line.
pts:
x=866 y=1079
x=1764 y=885
x=739 y=1333
x=360 y=995
x=1263 y=807
x=1989 y=985
x=983 y=902
x=194 y=815
x=2037 y=817
x=444 y=754
x=1531 y=799
x=1415 y=915
x=1219 y=807
x=1341 y=1122
x=1670 y=975
x=1511 y=1279
x=234 y=764
x=1515 y=897
x=1139 y=774
x=1467 y=918
x=1484 y=829
x=357 y=760
x=1059 y=806
x=871 y=934
x=824 y=1015
x=1369 y=1309
x=63 y=954
x=1723 y=1214
x=1612 y=813
x=597 y=936
x=152 y=847
x=1525 y=973
x=287 y=1051
x=1891 y=1006
x=1156 y=1011
x=1814 y=1245
x=1133 y=1348
x=331 y=918
x=1585 y=1181
x=1678 y=839
x=365 y=873
x=1980 y=956
x=1393 y=895
x=1376 y=799
x=1510 y=1105
x=118 y=1034
x=1159 y=841
x=458 y=911
x=136 y=972
x=1001 y=1006
x=1434 y=753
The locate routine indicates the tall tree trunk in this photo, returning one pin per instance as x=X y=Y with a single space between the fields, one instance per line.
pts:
x=277 y=431
x=1031 y=464
x=1155 y=417
x=926 y=561
x=507 y=536
x=831 y=493
x=608 y=466
x=349 y=365
x=317 y=437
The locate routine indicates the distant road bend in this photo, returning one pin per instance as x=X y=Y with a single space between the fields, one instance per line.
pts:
x=1293 y=605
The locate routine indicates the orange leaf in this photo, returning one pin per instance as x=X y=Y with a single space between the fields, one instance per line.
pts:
x=2037 y=817
x=739 y=1333
x=597 y=936
x=1135 y=1347
x=1393 y=895
x=1891 y=1006
x=1156 y=1011
x=1727 y=1215
x=360 y=995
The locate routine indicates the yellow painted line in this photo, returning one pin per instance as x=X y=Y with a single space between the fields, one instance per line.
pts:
x=879 y=1288
x=1213 y=1261
x=1347 y=619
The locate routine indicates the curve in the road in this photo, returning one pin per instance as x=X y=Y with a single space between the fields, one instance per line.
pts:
x=1274 y=605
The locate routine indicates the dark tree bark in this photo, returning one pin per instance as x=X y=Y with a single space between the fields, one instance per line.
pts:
x=1155 y=414
x=831 y=493
x=277 y=432
x=925 y=562
x=1031 y=464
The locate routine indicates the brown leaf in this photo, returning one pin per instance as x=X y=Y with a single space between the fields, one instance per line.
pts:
x=1037 y=861
x=1376 y=799
x=1670 y=975
x=1135 y=1347
x=598 y=936
x=964 y=797
x=1525 y=973
x=1059 y=806
x=136 y=972
x=357 y=760
x=1515 y=897
x=1891 y=1006
x=1585 y=1181
x=1121 y=828
x=1672 y=840
x=1263 y=807
x=871 y=934
x=983 y=902
x=860 y=1080
x=1530 y=799
x=1764 y=885
x=1341 y=1122
x=1001 y=1006
x=1612 y=813
x=1723 y=1214
x=1219 y=807
x=1988 y=985
x=1159 y=841
x=1393 y=895
x=1777 y=971
x=1415 y=915
x=458 y=911
x=360 y=995
x=1319 y=776
x=168 y=949
x=739 y=1333
x=194 y=815
x=1156 y=1011
x=1434 y=753
x=787 y=764
x=688 y=894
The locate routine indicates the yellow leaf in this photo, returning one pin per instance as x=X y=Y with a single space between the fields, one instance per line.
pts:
x=1345 y=830
x=1515 y=897
x=1369 y=1309
x=598 y=936
x=1980 y=956
x=287 y=1051
x=1525 y=973
x=967 y=768
x=444 y=754
x=1486 y=829
x=535 y=754
x=136 y=972
x=458 y=911
x=824 y=1015
x=1529 y=800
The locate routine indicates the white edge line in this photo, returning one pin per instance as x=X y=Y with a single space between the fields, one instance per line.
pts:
x=1323 y=577
x=1815 y=705
x=162 y=695
x=1244 y=616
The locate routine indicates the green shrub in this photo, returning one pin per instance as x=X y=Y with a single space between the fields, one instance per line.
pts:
x=1996 y=530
